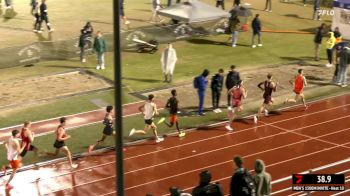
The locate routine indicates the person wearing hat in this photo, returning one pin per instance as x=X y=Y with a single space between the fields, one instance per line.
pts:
x=205 y=187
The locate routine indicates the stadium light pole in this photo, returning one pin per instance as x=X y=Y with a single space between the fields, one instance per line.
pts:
x=118 y=100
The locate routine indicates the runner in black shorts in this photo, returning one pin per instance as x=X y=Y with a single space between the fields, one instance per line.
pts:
x=27 y=137
x=268 y=87
x=108 y=130
x=61 y=137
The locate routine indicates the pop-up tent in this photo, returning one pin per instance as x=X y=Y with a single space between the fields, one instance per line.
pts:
x=341 y=17
x=193 y=11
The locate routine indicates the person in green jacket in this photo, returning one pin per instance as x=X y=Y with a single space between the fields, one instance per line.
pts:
x=330 y=43
x=100 y=47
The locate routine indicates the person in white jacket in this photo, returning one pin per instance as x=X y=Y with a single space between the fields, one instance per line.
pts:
x=168 y=61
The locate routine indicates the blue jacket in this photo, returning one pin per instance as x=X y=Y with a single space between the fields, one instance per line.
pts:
x=256 y=25
x=202 y=83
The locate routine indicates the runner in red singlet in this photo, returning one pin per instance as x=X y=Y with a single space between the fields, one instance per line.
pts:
x=238 y=93
x=299 y=84
x=269 y=87
x=27 y=137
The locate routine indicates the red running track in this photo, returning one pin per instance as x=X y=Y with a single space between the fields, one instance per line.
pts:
x=291 y=141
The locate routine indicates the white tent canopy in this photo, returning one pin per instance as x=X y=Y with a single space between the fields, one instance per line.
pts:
x=193 y=11
x=341 y=17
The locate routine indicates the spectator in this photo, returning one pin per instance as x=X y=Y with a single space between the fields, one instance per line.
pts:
x=336 y=59
x=205 y=188
x=36 y=14
x=100 y=48
x=232 y=79
x=122 y=13
x=200 y=83
x=87 y=33
x=174 y=191
x=155 y=7
x=316 y=14
x=330 y=44
x=236 y=3
x=262 y=179
x=343 y=66
x=168 y=61
x=268 y=6
x=83 y=46
x=44 y=17
x=337 y=35
x=242 y=182
x=217 y=83
x=256 y=26
x=318 y=40
x=220 y=3
x=234 y=27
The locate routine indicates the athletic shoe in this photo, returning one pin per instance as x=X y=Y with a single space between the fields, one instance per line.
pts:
x=234 y=45
x=201 y=114
x=40 y=31
x=253 y=46
x=182 y=134
x=74 y=166
x=102 y=67
x=306 y=107
x=255 y=119
x=228 y=127
x=229 y=108
x=344 y=85
x=127 y=22
x=266 y=112
x=159 y=139
x=91 y=148
x=52 y=30
x=9 y=187
x=218 y=110
x=329 y=65
x=35 y=31
x=132 y=132
x=161 y=120
x=338 y=83
x=83 y=61
x=98 y=67
x=259 y=45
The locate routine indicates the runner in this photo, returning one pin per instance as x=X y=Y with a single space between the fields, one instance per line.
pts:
x=108 y=130
x=269 y=87
x=172 y=104
x=299 y=84
x=27 y=137
x=61 y=137
x=13 y=149
x=149 y=109
x=237 y=93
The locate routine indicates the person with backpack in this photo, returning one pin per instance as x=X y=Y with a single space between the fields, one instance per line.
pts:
x=200 y=83
x=242 y=182
x=262 y=179
x=205 y=188
x=217 y=82
x=232 y=79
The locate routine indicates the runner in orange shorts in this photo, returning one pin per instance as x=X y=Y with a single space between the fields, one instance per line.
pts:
x=299 y=84
x=173 y=105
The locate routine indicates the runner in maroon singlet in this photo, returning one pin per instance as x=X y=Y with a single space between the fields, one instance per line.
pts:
x=27 y=137
x=268 y=87
x=238 y=93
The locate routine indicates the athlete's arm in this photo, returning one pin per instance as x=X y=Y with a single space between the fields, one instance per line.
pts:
x=18 y=147
x=304 y=80
x=30 y=136
x=274 y=86
x=244 y=92
x=155 y=109
x=141 y=108
x=259 y=85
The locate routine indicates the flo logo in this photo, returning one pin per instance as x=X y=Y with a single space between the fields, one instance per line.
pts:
x=325 y=12
x=183 y=31
x=29 y=54
x=136 y=35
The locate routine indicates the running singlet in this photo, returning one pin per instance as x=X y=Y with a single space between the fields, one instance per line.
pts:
x=236 y=97
x=149 y=110
x=12 y=154
x=173 y=105
x=298 y=84
x=25 y=139
x=268 y=89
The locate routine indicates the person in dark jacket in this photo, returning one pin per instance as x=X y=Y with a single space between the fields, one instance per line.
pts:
x=44 y=16
x=82 y=46
x=220 y=3
x=36 y=14
x=100 y=47
x=320 y=31
x=232 y=79
x=256 y=26
x=344 y=62
x=238 y=185
x=201 y=88
x=217 y=83
x=205 y=187
x=317 y=5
